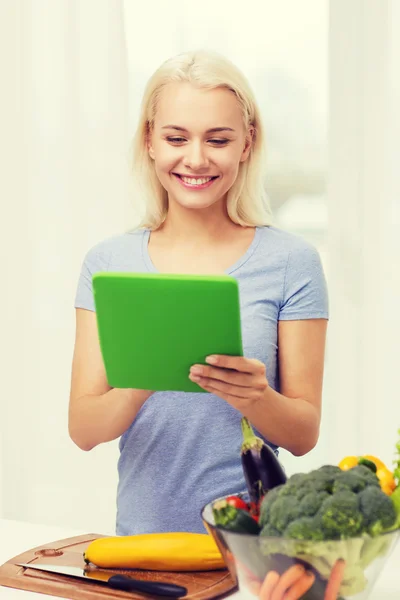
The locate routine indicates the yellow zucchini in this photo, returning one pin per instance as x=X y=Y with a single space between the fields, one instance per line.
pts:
x=175 y=551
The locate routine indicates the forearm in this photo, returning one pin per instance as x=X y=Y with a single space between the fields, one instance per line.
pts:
x=290 y=423
x=97 y=419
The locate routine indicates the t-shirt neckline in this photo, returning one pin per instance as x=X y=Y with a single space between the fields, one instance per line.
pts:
x=239 y=263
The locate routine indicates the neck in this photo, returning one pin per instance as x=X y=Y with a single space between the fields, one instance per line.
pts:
x=197 y=224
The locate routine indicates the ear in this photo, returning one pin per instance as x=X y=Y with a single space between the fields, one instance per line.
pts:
x=248 y=144
x=148 y=142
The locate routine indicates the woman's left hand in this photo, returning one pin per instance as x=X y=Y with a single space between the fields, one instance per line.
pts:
x=238 y=380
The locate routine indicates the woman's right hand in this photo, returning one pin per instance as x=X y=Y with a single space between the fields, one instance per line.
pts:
x=97 y=412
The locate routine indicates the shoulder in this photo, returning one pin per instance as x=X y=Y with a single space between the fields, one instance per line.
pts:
x=285 y=251
x=115 y=249
x=285 y=242
x=297 y=266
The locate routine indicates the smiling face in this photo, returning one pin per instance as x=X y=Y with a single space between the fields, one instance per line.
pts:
x=197 y=143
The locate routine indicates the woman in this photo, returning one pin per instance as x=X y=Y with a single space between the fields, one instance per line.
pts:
x=199 y=157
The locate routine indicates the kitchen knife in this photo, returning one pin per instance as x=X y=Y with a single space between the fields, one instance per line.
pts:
x=118 y=582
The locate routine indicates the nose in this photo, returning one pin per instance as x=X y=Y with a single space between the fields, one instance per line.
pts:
x=196 y=156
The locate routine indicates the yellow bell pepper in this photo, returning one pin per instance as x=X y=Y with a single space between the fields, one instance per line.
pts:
x=379 y=464
x=385 y=476
x=386 y=480
x=348 y=462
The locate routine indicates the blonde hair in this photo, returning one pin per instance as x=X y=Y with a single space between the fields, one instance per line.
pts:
x=247 y=201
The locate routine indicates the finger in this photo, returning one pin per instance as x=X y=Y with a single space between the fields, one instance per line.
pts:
x=287 y=579
x=237 y=402
x=268 y=585
x=300 y=587
x=238 y=363
x=335 y=580
x=226 y=390
x=227 y=375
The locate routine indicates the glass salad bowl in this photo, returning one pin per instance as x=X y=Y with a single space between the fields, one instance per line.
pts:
x=303 y=570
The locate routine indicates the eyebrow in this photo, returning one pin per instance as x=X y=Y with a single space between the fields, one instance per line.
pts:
x=212 y=130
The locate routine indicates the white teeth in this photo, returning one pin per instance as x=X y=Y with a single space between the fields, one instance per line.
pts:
x=192 y=181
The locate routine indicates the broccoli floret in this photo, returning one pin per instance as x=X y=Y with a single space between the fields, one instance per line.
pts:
x=340 y=516
x=319 y=480
x=395 y=500
x=343 y=504
x=311 y=503
x=302 y=491
x=329 y=471
x=297 y=478
x=377 y=509
x=269 y=531
x=349 y=481
x=283 y=511
x=365 y=473
x=266 y=503
x=297 y=486
x=274 y=493
x=302 y=484
x=324 y=478
x=304 y=528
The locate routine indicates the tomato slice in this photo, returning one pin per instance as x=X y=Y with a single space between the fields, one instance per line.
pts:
x=237 y=502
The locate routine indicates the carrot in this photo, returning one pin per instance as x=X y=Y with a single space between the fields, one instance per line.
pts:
x=287 y=579
x=335 y=580
x=301 y=586
x=268 y=585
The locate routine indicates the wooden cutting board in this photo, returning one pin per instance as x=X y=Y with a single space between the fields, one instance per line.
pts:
x=201 y=585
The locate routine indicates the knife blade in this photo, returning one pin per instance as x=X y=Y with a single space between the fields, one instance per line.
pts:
x=118 y=582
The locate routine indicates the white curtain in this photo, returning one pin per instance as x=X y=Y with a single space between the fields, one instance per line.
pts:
x=364 y=219
x=65 y=185
x=361 y=410
x=66 y=188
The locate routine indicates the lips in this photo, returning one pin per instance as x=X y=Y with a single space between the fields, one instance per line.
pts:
x=195 y=177
x=197 y=183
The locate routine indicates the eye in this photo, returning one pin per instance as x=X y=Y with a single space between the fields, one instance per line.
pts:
x=221 y=142
x=181 y=140
x=175 y=140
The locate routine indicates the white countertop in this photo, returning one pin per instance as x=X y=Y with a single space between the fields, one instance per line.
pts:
x=17 y=537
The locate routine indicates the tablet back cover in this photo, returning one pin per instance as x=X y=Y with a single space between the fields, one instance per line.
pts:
x=154 y=327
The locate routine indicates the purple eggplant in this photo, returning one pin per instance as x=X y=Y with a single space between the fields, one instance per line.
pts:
x=261 y=467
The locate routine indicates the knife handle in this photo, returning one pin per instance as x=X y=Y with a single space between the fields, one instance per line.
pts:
x=122 y=582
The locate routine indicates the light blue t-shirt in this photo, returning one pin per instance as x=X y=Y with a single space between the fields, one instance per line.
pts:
x=183 y=449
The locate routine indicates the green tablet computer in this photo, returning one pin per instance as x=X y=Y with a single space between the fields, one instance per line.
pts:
x=154 y=327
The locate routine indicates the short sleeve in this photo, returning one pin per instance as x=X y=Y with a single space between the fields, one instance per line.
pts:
x=305 y=293
x=95 y=260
